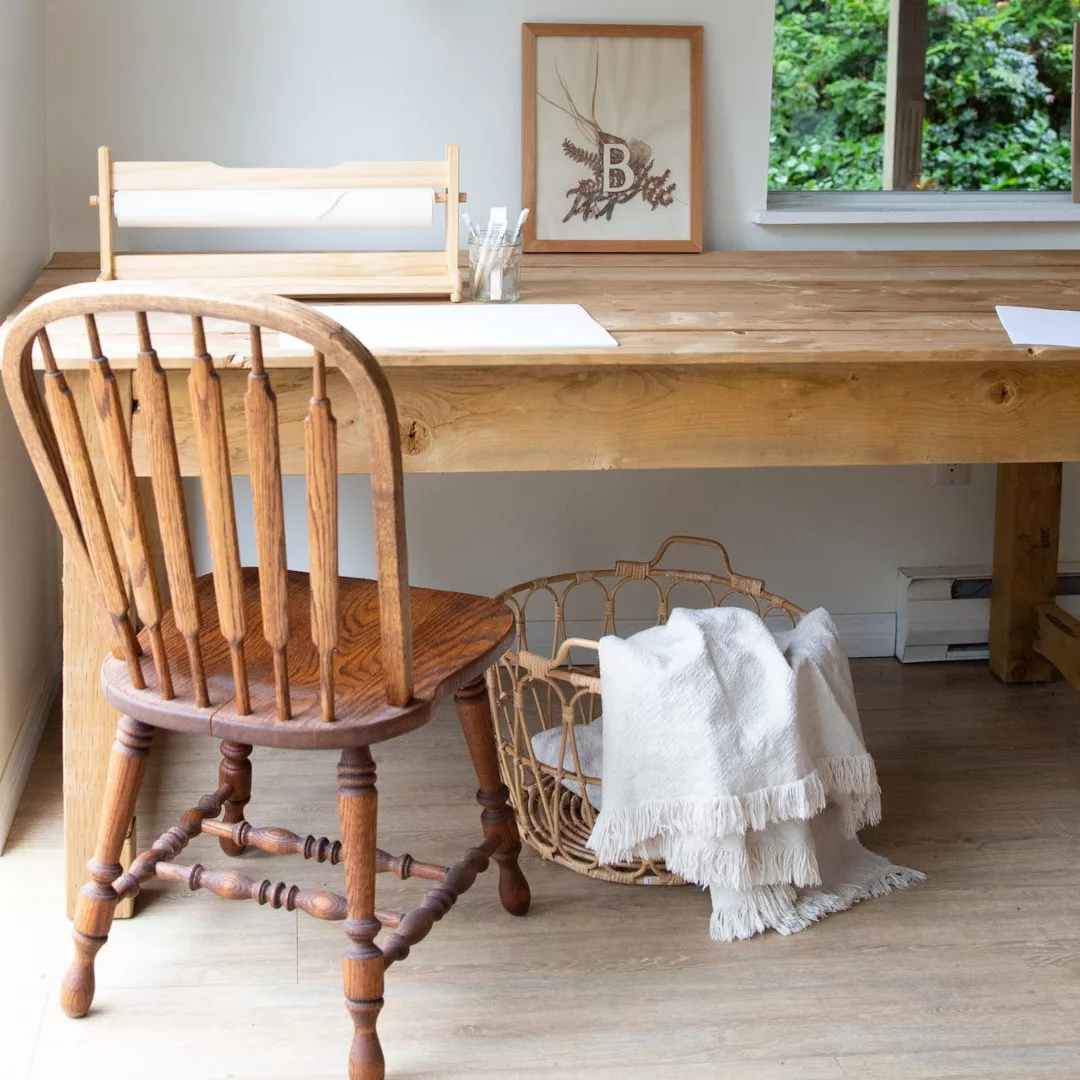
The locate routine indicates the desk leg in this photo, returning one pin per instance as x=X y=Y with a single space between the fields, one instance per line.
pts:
x=89 y=720
x=89 y=728
x=1026 y=531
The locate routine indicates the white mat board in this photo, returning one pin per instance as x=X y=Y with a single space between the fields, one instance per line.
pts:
x=1040 y=326
x=457 y=327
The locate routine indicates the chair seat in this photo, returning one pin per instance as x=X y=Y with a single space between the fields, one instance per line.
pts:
x=456 y=637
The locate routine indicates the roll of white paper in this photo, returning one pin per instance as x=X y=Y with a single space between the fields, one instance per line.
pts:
x=239 y=208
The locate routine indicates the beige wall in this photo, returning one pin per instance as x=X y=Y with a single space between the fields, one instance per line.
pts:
x=29 y=619
x=286 y=82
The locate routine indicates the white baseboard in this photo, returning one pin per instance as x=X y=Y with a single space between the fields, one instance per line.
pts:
x=21 y=759
x=868 y=635
x=864 y=635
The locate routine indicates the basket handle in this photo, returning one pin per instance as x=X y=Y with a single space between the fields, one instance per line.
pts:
x=640 y=570
x=539 y=666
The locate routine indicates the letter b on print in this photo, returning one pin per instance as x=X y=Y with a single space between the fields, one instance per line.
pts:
x=618 y=167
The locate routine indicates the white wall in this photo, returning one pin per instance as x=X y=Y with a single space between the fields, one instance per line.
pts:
x=29 y=614
x=287 y=82
x=283 y=82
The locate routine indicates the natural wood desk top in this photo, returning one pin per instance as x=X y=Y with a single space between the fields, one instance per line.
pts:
x=719 y=308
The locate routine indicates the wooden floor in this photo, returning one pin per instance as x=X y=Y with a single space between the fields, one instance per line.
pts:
x=974 y=974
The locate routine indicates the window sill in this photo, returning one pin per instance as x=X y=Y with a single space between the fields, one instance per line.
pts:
x=916 y=208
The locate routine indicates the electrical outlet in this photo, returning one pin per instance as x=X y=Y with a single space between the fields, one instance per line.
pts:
x=951 y=474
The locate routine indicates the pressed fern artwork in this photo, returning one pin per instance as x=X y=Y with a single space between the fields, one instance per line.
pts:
x=611 y=149
x=620 y=169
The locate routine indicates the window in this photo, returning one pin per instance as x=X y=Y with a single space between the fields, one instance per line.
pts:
x=926 y=95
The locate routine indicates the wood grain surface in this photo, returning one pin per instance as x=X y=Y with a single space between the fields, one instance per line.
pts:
x=92 y=719
x=717 y=308
x=260 y=413
x=287 y=273
x=974 y=975
x=1057 y=638
x=1026 y=542
x=725 y=359
x=172 y=535
x=320 y=447
x=456 y=638
x=540 y=418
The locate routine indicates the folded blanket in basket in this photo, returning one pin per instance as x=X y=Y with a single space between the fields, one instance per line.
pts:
x=721 y=742
x=589 y=740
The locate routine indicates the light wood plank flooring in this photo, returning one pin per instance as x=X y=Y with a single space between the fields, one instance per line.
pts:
x=976 y=974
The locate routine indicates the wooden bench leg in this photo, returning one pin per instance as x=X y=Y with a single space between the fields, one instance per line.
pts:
x=497 y=818
x=235 y=770
x=363 y=966
x=1025 y=567
x=97 y=900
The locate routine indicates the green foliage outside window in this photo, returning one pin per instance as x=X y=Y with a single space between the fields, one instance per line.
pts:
x=998 y=95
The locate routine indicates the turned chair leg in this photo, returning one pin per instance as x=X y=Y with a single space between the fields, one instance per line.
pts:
x=363 y=966
x=497 y=818
x=97 y=900
x=235 y=769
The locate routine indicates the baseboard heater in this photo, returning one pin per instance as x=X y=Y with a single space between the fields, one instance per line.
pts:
x=943 y=612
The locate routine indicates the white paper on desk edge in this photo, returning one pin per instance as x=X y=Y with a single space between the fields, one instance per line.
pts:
x=1040 y=326
x=455 y=327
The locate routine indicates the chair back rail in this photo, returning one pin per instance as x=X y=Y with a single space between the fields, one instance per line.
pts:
x=56 y=439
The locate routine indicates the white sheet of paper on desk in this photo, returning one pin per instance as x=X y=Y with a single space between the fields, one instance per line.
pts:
x=458 y=327
x=1041 y=326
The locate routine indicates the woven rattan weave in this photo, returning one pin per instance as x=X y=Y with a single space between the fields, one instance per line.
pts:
x=551 y=678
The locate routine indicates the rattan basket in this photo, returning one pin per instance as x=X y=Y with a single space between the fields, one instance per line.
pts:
x=560 y=685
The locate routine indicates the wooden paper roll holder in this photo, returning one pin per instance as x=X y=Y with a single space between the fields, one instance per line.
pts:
x=287 y=273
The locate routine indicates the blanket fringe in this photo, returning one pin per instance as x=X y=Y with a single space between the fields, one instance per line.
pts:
x=746 y=864
x=857 y=812
x=780 y=907
x=751 y=913
x=850 y=775
x=815 y=904
x=852 y=781
x=618 y=832
x=852 y=784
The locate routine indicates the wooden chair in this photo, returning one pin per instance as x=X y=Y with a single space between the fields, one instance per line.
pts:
x=259 y=656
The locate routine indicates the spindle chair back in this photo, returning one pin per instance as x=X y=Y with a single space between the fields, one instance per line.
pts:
x=51 y=427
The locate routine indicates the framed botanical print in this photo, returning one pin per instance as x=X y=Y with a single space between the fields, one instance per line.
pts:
x=611 y=140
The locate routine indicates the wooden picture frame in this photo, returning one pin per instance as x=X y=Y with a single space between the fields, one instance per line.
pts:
x=591 y=209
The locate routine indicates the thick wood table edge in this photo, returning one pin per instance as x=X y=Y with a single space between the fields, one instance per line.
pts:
x=539 y=419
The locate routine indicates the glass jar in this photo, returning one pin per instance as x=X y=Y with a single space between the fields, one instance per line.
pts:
x=494 y=270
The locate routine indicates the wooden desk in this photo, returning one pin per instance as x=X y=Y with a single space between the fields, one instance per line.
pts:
x=727 y=359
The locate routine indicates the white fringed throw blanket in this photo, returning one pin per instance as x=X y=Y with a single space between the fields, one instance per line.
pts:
x=736 y=756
